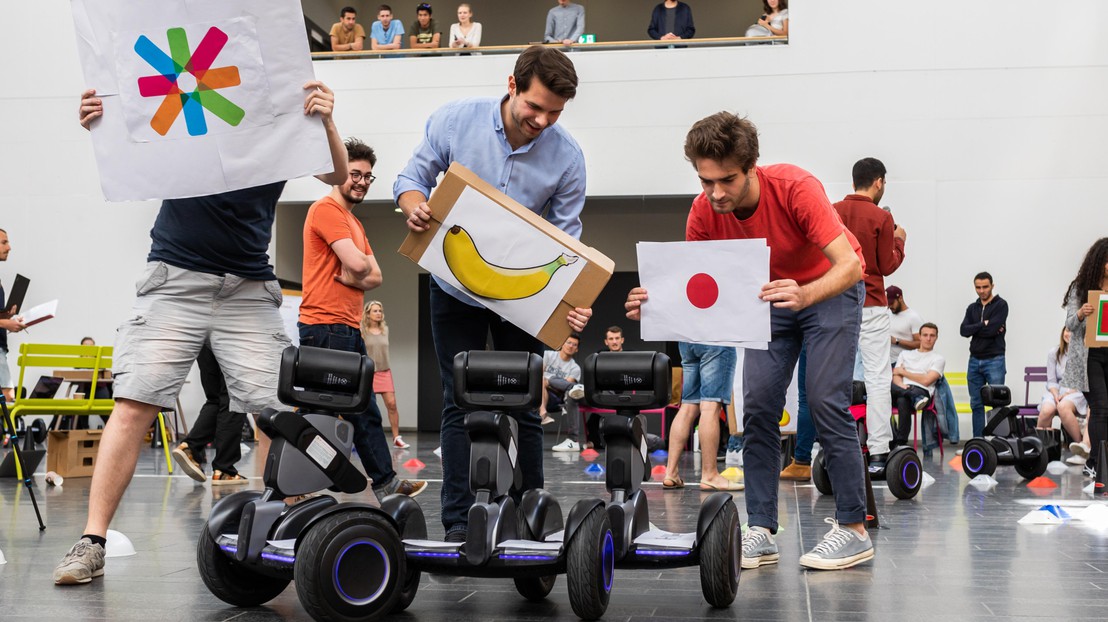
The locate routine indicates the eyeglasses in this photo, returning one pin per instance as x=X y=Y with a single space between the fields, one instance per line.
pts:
x=369 y=178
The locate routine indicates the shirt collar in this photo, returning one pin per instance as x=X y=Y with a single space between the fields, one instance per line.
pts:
x=858 y=197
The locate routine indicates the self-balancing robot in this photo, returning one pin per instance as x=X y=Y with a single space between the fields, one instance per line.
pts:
x=903 y=470
x=1007 y=441
x=629 y=382
x=527 y=543
x=346 y=559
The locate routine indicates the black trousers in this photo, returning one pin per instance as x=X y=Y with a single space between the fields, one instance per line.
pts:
x=1097 y=396
x=216 y=423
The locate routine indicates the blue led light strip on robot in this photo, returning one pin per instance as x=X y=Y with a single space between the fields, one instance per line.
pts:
x=661 y=553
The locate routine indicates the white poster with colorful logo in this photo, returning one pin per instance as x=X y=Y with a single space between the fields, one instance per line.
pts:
x=200 y=96
x=705 y=292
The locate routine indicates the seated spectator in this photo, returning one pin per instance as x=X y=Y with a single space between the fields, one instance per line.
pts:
x=774 y=22
x=708 y=381
x=560 y=383
x=671 y=21
x=1068 y=404
x=88 y=341
x=466 y=33
x=386 y=33
x=347 y=34
x=914 y=378
x=613 y=340
x=565 y=23
x=424 y=34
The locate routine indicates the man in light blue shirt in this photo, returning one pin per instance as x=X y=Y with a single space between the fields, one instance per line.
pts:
x=565 y=23
x=386 y=33
x=511 y=142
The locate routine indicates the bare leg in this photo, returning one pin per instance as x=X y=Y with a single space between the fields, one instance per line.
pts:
x=1067 y=414
x=678 y=436
x=116 y=460
x=709 y=443
x=545 y=388
x=1046 y=415
x=8 y=395
x=394 y=415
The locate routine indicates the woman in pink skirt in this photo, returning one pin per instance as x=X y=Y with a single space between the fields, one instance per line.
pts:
x=375 y=333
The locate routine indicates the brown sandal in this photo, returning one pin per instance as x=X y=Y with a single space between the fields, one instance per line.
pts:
x=671 y=483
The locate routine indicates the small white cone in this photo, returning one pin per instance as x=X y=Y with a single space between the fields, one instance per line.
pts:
x=3 y=560
x=1057 y=467
x=1040 y=517
x=118 y=545
x=1090 y=489
x=927 y=480
x=1096 y=513
x=244 y=448
x=983 y=482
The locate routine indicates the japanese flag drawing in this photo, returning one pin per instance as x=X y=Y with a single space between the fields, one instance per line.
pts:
x=705 y=292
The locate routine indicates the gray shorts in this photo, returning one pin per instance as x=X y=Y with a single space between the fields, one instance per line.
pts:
x=5 y=371
x=176 y=311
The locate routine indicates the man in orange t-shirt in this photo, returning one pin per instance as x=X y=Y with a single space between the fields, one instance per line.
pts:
x=338 y=267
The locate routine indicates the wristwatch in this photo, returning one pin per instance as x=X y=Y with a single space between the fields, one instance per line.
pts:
x=896 y=341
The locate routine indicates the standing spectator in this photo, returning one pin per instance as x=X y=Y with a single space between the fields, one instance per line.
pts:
x=466 y=33
x=385 y=33
x=207 y=280
x=671 y=21
x=375 y=334
x=565 y=23
x=774 y=22
x=1087 y=368
x=903 y=326
x=985 y=324
x=816 y=301
x=216 y=422
x=8 y=323
x=915 y=376
x=1068 y=403
x=424 y=34
x=347 y=34
x=338 y=267
x=538 y=164
x=708 y=378
x=882 y=244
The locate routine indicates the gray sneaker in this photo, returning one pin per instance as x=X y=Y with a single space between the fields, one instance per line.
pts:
x=759 y=548
x=841 y=548
x=83 y=562
x=577 y=391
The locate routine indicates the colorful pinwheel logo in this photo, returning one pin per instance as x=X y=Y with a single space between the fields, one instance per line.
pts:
x=188 y=82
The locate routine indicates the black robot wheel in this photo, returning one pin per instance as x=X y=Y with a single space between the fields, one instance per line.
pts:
x=904 y=474
x=820 y=477
x=534 y=589
x=1030 y=468
x=231 y=581
x=721 y=558
x=978 y=458
x=590 y=566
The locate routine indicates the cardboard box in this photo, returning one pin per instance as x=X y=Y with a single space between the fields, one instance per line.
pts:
x=585 y=288
x=72 y=453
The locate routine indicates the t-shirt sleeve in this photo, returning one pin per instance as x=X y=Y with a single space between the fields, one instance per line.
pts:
x=938 y=364
x=695 y=227
x=900 y=359
x=330 y=224
x=359 y=31
x=916 y=323
x=335 y=30
x=547 y=361
x=814 y=213
x=574 y=370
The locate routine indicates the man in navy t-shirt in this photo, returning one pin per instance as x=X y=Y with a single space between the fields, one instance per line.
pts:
x=207 y=280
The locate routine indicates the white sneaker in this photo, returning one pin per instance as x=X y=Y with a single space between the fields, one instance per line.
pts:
x=576 y=392
x=399 y=442
x=567 y=445
x=438 y=451
x=547 y=420
x=1081 y=449
x=921 y=402
x=1076 y=460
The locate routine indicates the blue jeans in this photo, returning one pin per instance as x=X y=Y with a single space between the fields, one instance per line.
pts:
x=805 y=429
x=458 y=327
x=369 y=436
x=708 y=373
x=979 y=373
x=829 y=333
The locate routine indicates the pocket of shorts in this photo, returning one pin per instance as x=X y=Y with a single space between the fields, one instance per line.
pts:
x=273 y=288
x=155 y=277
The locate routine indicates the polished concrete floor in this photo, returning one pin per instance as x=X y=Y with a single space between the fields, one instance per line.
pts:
x=953 y=553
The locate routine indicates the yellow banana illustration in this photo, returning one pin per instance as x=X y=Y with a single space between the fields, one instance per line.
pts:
x=492 y=281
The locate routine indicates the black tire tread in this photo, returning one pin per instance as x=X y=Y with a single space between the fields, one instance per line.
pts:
x=989 y=466
x=898 y=487
x=231 y=582
x=820 y=476
x=1031 y=470
x=715 y=562
x=584 y=572
x=534 y=589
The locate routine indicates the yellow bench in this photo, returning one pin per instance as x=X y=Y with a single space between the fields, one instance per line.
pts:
x=94 y=359
x=958 y=379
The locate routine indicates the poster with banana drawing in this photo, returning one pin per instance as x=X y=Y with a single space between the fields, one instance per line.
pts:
x=484 y=245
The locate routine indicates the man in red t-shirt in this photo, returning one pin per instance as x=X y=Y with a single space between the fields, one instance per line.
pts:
x=338 y=267
x=816 y=268
x=882 y=243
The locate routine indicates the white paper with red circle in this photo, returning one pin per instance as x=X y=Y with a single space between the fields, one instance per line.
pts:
x=705 y=292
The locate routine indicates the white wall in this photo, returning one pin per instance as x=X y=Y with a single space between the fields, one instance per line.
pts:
x=992 y=125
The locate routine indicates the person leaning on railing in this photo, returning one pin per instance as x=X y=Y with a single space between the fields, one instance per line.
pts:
x=466 y=33
x=670 y=21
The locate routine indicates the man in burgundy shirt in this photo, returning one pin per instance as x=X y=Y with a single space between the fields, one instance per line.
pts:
x=882 y=244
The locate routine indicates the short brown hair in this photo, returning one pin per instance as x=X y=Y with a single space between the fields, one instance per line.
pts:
x=723 y=136
x=929 y=325
x=551 y=66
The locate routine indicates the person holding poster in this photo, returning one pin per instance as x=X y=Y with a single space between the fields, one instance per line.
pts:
x=1087 y=368
x=207 y=279
x=816 y=293
x=510 y=141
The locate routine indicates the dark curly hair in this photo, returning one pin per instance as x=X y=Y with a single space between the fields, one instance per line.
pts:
x=356 y=150
x=1091 y=274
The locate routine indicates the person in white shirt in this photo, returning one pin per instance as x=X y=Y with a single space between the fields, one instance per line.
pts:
x=466 y=33
x=914 y=378
x=1068 y=404
x=904 y=324
x=561 y=384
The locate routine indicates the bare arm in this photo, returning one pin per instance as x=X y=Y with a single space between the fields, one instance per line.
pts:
x=846 y=270
x=321 y=101
x=926 y=379
x=907 y=344
x=359 y=270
